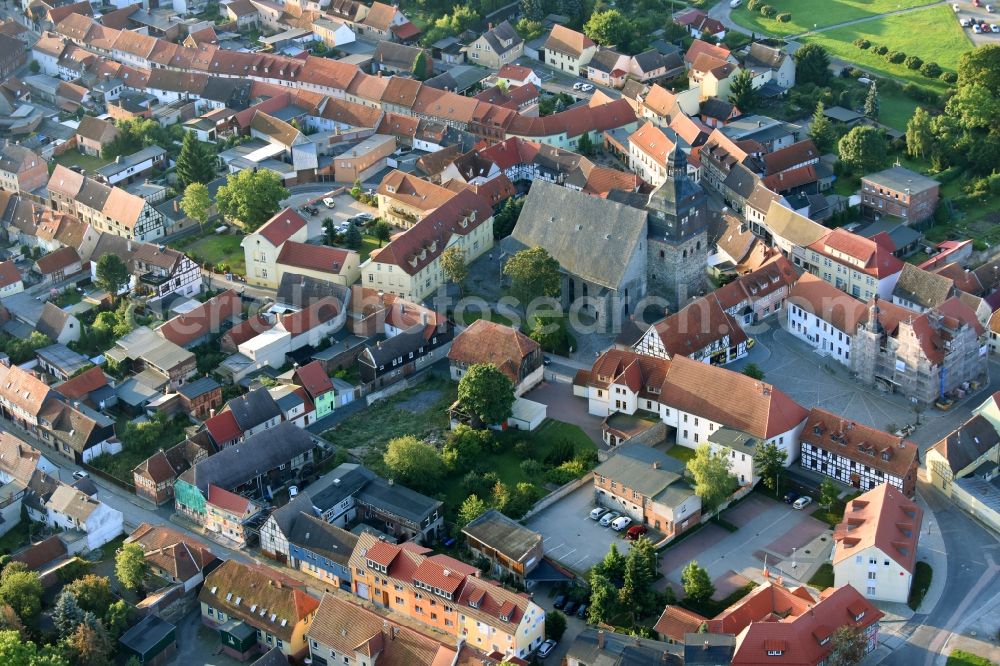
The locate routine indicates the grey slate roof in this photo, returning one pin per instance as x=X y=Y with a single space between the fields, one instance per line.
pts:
x=322 y=538
x=503 y=534
x=713 y=107
x=52 y=321
x=604 y=60
x=253 y=408
x=144 y=636
x=130 y=161
x=301 y=291
x=924 y=288
x=343 y=482
x=764 y=57
x=650 y=60
x=900 y=178
x=257 y=455
x=623 y=650
x=396 y=55
x=590 y=237
x=741 y=180
x=198 y=387
x=285 y=516
x=272 y=657
x=502 y=32
x=634 y=463
x=350 y=479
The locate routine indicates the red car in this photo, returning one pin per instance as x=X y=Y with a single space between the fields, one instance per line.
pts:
x=635 y=532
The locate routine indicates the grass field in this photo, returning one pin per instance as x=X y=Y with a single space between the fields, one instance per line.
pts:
x=896 y=109
x=810 y=14
x=216 y=249
x=75 y=158
x=823 y=578
x=908 y=33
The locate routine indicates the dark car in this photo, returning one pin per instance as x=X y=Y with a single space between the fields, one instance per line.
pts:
x=559 y=602
x=581 y=612
x=791 y=496
x=570 y=607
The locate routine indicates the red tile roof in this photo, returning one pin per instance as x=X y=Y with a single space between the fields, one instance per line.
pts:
x=818 y=297
x=305 y=320
x=882 y=518
x=699 y=47
x=488 y=342
x=783 y=159
x=227 y=501
x=9 y=274
x=223 y=427
x=23 y=389
x=313 y=257
x=314 y=379
x=282 y=226
x=872 y=258
x=62 y=258
x=675 y=621
x=246 y=330
x=207 y=318
x=698 y=325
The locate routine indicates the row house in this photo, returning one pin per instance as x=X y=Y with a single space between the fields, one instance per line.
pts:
x=21 y=169
x=261 y=248
x=154 y=477
x=755 y=296
x=567 y=50
x=22 y=397
x=255 y=609
x=404 y=200
x=410 y=265
x=860 y=266
x=695 y=399
x=445 y=594
x=72 y=509
x=702 y=331
x=227 y=515
x=174 y=556
x=856 y=454
x=511 y=549
x=824 y=317
x=104 y=208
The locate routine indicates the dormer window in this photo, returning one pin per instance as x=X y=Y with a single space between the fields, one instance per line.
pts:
x=505 y=617
x=775 y=653
x=824 y=641
x=859 y=616
x=473 y=603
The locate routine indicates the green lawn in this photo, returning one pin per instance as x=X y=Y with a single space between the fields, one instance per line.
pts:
x=74 y=158
x=909 y=33
x=120 y=466
x=963 y=658
x=810 y=14
x=368 y=243
x=215 y=249
x=682 y=453
x=896 y=109
x=823 y=578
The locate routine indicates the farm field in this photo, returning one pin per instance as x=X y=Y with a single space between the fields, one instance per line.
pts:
x=809 y=14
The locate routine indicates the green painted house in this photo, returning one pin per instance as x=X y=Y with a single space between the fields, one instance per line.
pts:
x=313 y=378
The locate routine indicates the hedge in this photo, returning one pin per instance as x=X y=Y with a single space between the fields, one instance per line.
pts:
x=913 y=62
x=880 y=49
x=784 y=17
x=862 y=43
x=896 y=57
x=931 y=70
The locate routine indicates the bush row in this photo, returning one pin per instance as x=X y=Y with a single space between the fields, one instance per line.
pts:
x=931 y=70
x=767 y=11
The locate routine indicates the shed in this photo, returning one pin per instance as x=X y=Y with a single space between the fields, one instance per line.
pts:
x=152 y=641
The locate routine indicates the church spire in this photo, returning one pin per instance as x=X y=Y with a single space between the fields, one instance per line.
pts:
x=676 y=162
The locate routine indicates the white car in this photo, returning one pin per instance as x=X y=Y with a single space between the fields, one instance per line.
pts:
x=618 y=524
x=994 y=27
x=577 y=86
x=965 y=23
x=586 y=87
x=608 y=517
x=292 y=491
x=956 y=8
x=546 y=648
x=343 y=227
x=329 y=202
x=802 y=502
x=597 y=513
x=976 y=29
x=80 y=474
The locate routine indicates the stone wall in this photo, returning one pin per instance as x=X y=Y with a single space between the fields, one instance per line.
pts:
x=677 y=271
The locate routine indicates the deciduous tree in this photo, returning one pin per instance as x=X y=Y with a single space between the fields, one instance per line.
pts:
x=533 y=274
x=487 y=393
x=770 y=464
x=252 y=197
x=981 y=66
x=555 y=625
x=919 y=134
x=603 y=599
x=92 y=592
x=753 y=371
x=463 y=447
x=454 y=267
x=712 y=478
x=112 y=274
x=196 y=203
x=613 y=564
x=382 y=231
x=91 y=645
x=742 y=94
x=130 y=566
x=812 y=65
x=413 y=462
x=22 y=590
x=863 y=149
x=828 y=492
x=697 y=584
x=471 y=508
x=607 y=28
x=506 y=218
x=17 y=652
x=849 y=647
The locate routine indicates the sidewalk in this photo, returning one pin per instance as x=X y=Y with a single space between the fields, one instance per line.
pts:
x=931 y=549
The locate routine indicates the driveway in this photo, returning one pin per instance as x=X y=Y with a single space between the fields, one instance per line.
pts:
x=570 y=537
x=197 y=644
x=564 y=406
x=770 y=533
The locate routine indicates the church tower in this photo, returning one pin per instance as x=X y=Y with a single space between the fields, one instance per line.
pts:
x=678 y=235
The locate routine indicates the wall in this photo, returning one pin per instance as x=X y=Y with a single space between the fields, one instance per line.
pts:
x=891 y=582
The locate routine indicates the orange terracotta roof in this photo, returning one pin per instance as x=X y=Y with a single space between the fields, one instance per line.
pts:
x=818 y=297
x=869 y=446
x=488 y=342
x=314 y=257
x=882 y=518
x=282 y=226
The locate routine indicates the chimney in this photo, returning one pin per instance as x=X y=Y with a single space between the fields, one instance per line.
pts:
x=600 y=639
x=211 y=412
x=706 y=645
x=128 y=245
x=177 y=205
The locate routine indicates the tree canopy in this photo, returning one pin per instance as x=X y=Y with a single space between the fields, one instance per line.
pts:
x=770 y=464
x=533 y=274
x=487 y=393
x=863 y=149
x=413 y=462
x=821 y=130
x=112 y=273
x=196 y=161
x=252 y=197
x=22 y=590
x=607 y=28
x=742 y=94
x=196 y=202
x=713 y=480
x=130 y=566
x=697 y=584
x=454 y=267
x=812 y=65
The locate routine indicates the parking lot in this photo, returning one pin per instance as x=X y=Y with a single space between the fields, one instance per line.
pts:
x=570 y=537
x=967 y=11
x=345 y=207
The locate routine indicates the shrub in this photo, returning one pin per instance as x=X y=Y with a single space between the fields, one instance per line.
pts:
x=931 y=70
x=752 y=5
x=532 y=468
x=913 y=62
x=949 y=77
x=896 y=57
x=784 y=17
x=862 y=43
x=994 y=183
x=522 y=449
x=566 y=472
x=856 y=73
x=880 y=49
x=768 y=11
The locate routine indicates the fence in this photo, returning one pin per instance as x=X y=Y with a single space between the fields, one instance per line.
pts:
x=108 y=477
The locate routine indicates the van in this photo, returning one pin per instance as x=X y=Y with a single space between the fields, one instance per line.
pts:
x=618 y=524
x=735 y=3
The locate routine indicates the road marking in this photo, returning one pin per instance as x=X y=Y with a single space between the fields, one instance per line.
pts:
x=942 y=636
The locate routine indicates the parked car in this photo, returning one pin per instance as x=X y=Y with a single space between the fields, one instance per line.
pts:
x=578 y=85
x=365 y=217
x=546 y=648
x=559 y=602
x=608 y=517
x=546 y=360
x=570 y=607
x=80 y=474
x=802 y=502
x=618 y=524
x=581 y=612
x=635 y=532
x=965 y=23
x=292 y=491
x=586 y=87
x=791 y=496
x=597 y=513
x=989 y=8
x=329 y=202
x=994 y=27
x=734 y=3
